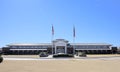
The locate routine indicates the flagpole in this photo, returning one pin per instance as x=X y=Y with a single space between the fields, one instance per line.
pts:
x=52 y=44
x=52 y=37
x=74 y=38
x=74 y=44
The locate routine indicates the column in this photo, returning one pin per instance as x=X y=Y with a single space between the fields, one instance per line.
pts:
x=55 y=49
x=74 y=50
x=65 y=50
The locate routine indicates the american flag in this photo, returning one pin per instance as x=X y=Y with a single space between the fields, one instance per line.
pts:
x=52 y=30
x=73 y=31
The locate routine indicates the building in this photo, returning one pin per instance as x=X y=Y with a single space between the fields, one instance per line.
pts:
x=57 y=46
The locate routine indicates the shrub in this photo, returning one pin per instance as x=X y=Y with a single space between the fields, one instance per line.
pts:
x=82 y=54
x=63 y=55
x=1 y=59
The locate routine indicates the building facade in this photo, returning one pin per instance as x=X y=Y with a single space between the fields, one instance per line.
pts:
x=57 y=46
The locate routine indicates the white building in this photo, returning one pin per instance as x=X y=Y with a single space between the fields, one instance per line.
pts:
x=58 y=46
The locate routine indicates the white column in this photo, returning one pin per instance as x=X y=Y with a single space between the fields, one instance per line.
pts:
x=55 y=49
x=73 y=49
x=65 y=49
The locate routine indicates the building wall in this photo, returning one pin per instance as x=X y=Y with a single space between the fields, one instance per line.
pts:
x=70 y=50
x=52 y=48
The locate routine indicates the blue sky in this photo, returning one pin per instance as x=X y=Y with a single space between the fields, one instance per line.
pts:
x=30 y=21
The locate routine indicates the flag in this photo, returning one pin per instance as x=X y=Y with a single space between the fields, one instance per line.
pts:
x=73 y=31
x=52 y=30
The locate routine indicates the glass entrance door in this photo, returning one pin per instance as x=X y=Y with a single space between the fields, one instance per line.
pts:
x=60 y=49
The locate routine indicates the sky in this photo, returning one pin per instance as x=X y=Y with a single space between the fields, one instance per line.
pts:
x=30 y=21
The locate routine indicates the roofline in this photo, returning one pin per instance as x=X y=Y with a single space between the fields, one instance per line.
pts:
x=49 y=44
x=90 y=44
x=28 y=44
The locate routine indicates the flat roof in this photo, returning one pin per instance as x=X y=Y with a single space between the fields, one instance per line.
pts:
x=94 y=49
x=29 y=44
x=90 y=44
x=49 y=44
x=28 y=49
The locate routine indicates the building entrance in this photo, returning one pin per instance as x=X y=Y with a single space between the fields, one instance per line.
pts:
x=60 y=49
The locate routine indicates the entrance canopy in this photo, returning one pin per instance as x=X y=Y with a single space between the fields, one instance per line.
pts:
x=60 y=46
